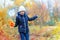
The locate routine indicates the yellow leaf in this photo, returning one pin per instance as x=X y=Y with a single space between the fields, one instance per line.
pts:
x=18 y=2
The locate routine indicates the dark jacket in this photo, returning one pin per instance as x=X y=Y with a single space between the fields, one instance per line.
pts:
x=22 y=22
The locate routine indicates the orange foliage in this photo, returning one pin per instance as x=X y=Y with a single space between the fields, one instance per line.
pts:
x=3 y=16
x=3 y=36
x=43 y=6
x=3 y=12
x=33 y=39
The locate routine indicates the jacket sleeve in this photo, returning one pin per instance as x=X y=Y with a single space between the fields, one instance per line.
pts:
x=16 y=23
x=33 y=18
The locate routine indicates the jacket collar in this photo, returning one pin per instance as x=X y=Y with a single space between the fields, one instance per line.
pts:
x=21 y=15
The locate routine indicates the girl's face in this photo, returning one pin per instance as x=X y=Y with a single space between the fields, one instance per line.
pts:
x=22 y=12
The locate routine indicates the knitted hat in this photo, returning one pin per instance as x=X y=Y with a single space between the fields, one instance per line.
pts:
x=22 y=8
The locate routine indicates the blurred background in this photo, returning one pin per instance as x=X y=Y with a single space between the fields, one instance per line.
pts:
x=45 y=27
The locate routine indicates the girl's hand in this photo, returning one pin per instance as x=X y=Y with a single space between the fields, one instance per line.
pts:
x=36 y=15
